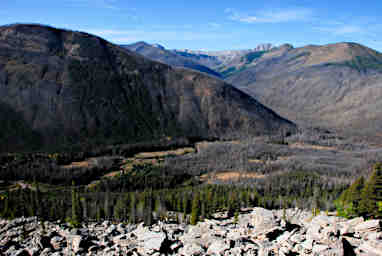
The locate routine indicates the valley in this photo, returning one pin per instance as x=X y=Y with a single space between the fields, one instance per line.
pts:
x=97 y=132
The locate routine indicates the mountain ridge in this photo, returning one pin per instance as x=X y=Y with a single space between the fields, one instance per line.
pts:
x=74 y=88
x=334 y=86
x=159 y=53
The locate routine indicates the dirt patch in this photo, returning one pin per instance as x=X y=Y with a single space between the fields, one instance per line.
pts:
x=256 y=161
x=309 y=146
x=87 y=163
x=230 y=176
x=259 y=161
x=159 y=154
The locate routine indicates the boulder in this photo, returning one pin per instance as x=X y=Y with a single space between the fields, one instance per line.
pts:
x=319 y=248
x=152 y=241
x=263 y=219
x=307 y=245
x=368 y=226
x=372 y=247
x=191 y=249
x=218 y=247
x=58 y=242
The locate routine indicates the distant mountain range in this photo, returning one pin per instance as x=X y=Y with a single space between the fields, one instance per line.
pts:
x=159 y=53
x=333 y=86
x=61 y=88
x=217 y=63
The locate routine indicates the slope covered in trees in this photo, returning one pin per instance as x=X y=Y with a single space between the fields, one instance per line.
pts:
x=363 y=198
x=331 y=86
x=71 y=88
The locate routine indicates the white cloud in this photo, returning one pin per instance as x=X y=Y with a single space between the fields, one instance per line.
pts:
x=271 y=16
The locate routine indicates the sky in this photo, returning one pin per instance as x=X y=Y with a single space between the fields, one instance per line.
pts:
x=208 y=24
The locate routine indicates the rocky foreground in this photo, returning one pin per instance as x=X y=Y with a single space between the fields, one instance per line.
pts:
x=257 y=232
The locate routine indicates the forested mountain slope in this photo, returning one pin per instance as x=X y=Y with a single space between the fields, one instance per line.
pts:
x=68 y=88
x=334 y=86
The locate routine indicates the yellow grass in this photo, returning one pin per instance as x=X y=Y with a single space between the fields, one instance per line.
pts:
x=177 y=152
x=308 y=146
x=230 y=175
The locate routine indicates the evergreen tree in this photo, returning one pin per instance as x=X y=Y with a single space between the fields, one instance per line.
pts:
x=119 y=213
x=354 y=196
x=185 y=208
x=133 y=213
x=6 y=213
x=236 y=217
x=372 y=193
x=107 y=204
x=195 y=211
x=76 y=212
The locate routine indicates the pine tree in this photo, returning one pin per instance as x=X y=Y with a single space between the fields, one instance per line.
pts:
x=195 y=211
x=236 y=217
x=107 y=204
x=185 y=208
x=372 y=193
x=133 y=212
x=76 y=212
x=119 y=209
x=6 y=210
x=354 y=195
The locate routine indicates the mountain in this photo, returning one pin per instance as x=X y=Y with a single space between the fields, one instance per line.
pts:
x=334 y=86
x=159 y=53
x=60 y=88
x=222 y=57
x=226 y=62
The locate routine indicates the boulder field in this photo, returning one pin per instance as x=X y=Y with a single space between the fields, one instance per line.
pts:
x=257 y=232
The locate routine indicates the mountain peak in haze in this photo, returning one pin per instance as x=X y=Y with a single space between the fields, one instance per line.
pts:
x=159 y=53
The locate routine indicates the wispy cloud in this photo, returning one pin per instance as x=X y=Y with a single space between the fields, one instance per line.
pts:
x=106 y=4
x=270 y=16
x=214 y=25
x=341 y=29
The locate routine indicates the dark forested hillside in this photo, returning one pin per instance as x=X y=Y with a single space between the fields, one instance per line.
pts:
x=69 y=88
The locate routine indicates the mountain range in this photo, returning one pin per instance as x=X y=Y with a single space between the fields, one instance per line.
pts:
x=60 y=87
x=335 y=86
x=159 y=53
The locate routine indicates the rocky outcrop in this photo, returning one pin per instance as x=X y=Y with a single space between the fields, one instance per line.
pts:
x=269 y=234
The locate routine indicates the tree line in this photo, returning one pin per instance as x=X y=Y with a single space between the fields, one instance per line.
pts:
x=186 y=203
x=363 y=197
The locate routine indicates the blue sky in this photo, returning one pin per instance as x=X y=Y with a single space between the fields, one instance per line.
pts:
x=208 y=24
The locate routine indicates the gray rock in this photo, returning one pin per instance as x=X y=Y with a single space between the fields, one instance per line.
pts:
x=191 y=249
x=218 y=247
x=33 y=251
x=297 y=238
x=307 y=244
x=319 y=248
x=153 y=241
x=372 y=247
x=237 y=251
x=21 y=252
x=58 y=242
x=368 y=226
x=263 y=219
